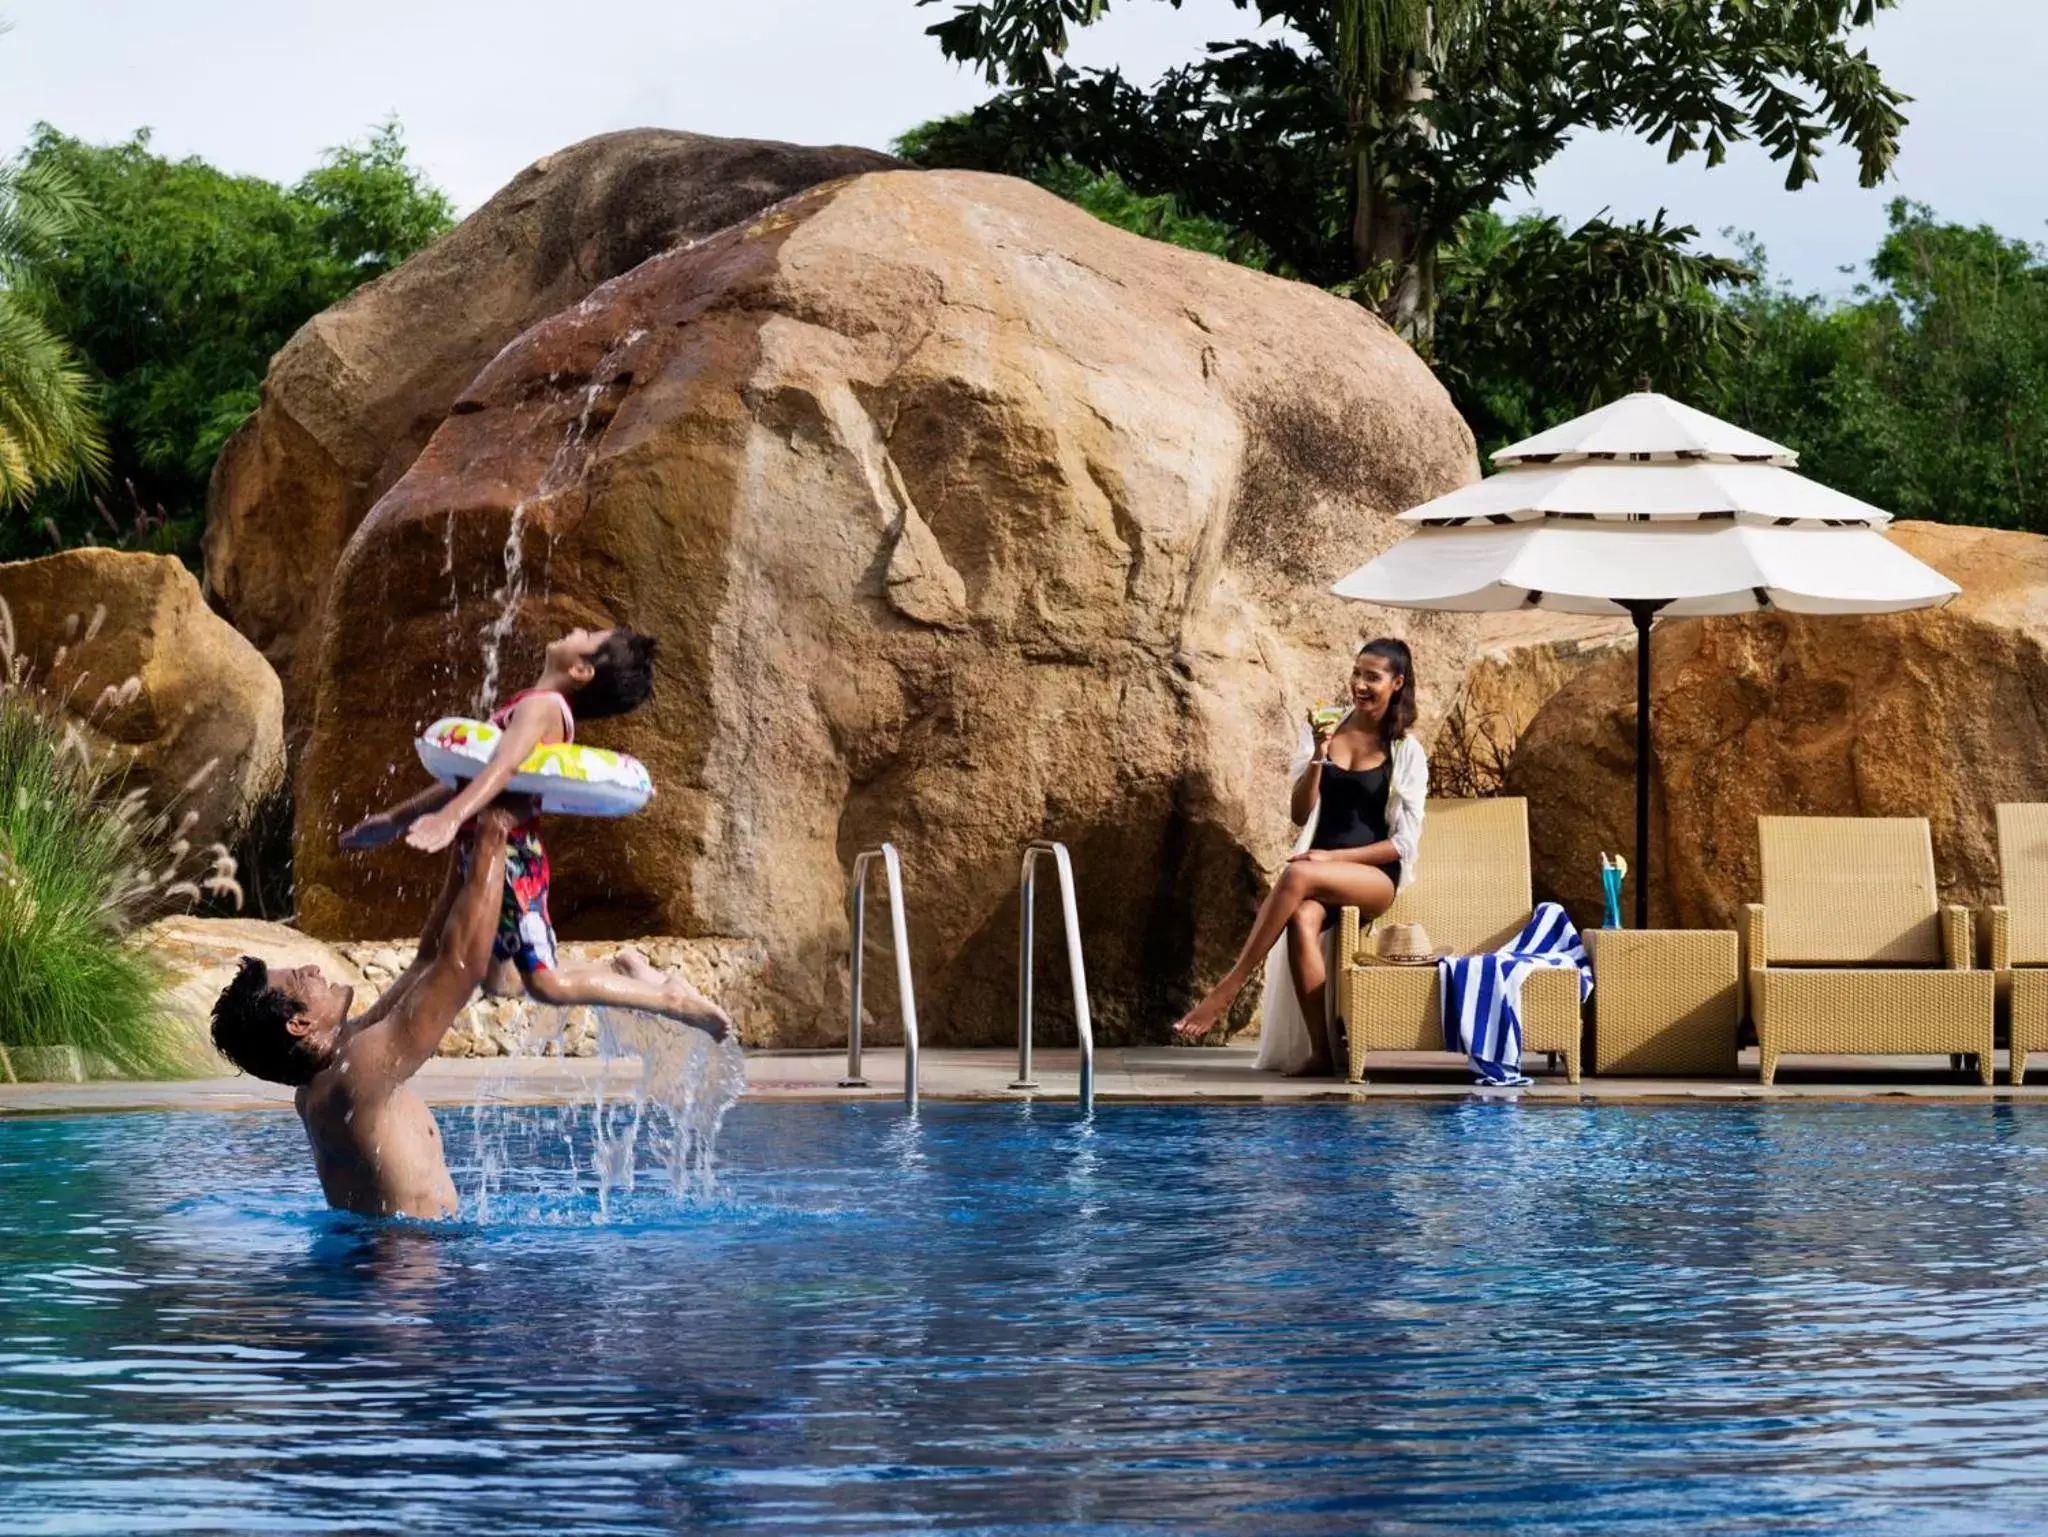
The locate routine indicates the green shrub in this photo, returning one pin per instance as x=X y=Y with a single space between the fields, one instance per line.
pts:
x=82 y=865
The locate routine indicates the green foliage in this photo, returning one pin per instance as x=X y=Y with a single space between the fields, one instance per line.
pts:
x=1360 y=135
x=49 y=431
x=1538 y=323
x=68 y=974
x=179 y=291
x=1927 y=393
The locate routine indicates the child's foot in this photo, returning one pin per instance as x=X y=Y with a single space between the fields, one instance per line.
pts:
x=371 y=833
x=694 y=1009
x=630 y=962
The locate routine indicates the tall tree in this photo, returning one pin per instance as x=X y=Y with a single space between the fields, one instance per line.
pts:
x=1355 y=138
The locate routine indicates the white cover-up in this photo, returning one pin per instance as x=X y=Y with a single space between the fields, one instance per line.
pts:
x=1284 y=1044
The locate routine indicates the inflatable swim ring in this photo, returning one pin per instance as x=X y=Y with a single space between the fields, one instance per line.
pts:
x=569 y=780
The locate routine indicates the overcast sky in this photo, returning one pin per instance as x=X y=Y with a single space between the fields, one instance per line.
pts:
x=486 y=86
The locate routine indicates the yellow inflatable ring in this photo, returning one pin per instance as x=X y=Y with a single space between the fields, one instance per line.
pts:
x=568 y=780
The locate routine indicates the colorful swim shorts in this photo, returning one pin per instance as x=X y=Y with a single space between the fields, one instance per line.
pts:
x=526 y=936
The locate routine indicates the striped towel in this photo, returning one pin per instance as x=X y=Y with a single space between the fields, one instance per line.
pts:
x=1482 y=994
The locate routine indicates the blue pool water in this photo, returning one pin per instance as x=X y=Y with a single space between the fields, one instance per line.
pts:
x=1398 y=1317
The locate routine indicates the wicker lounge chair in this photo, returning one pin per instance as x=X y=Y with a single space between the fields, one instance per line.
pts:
x=1471 y=891
x=1851 y=950
x=2019 y=929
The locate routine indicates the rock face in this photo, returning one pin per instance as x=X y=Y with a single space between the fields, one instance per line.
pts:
x=200 y=957
x=352 y=397
x=201 y=727
x=963 y=519
x=1941 y=714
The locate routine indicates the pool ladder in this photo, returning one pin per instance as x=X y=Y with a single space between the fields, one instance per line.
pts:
x=1026 y=923
x=857 y=899
x=857 y=902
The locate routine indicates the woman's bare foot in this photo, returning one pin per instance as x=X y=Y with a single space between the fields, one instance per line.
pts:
x=1201 y=1019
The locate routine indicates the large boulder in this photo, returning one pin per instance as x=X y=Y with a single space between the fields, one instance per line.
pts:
x=199 y=957
x=964 y=519
x=1941 y=714
x=352 y=397
x=158 y=685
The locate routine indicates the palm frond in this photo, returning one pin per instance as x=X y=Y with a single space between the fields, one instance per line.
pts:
x=49 y=425
x=40 y=205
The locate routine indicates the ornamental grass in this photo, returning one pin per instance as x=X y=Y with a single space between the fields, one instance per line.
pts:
x=84 y=863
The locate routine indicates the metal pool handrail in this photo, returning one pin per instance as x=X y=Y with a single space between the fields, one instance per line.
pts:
x=857 y=899
x=1027 y=914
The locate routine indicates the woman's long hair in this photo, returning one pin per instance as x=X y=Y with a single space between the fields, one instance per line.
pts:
x=1401 y=708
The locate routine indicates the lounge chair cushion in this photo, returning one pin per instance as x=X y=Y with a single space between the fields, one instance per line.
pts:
x=1850 y=891
x=2023 y=865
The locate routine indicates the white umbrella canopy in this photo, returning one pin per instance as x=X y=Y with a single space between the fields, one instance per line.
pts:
x=1649 y=508
x=1624 y=492
x=1646 y=427
x=1688 y=569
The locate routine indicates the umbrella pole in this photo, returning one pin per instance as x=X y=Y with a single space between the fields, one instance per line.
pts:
x=1644 y=612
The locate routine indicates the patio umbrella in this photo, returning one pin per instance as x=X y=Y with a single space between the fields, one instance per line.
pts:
x=1649 y=508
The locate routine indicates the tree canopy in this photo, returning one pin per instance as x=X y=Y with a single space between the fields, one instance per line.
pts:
x=177 y=291
x=1356 y=138
x=1926 y=392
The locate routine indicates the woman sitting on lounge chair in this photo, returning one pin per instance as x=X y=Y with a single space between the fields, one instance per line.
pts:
x=1359 y=790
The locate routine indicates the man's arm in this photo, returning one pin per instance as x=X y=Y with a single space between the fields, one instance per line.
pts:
x=429 y=947
x=456 y=952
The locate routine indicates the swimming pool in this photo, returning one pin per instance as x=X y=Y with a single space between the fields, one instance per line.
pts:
x=1468 y=1316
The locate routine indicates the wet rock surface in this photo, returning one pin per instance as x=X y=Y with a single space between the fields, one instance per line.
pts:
x=352 y=397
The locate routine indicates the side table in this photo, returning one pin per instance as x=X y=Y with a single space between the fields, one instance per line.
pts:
x=1665 y=1001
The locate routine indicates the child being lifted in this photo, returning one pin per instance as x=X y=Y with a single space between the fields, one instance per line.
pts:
x=604 y=672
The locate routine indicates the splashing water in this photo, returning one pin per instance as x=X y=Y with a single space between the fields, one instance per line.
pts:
x=655 y=1107
x=507 y=597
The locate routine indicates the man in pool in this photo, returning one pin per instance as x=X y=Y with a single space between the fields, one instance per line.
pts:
x=375 y=1144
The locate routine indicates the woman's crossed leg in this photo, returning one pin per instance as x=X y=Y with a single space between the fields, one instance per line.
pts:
x=1313 y=878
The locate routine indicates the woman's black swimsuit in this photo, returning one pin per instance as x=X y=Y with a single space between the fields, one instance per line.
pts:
x=1354 y=813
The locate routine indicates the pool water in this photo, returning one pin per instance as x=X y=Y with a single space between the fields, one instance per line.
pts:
x=1475 y=1316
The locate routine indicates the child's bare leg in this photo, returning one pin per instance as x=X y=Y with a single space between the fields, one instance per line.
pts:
x=572 y=983
x=503 y=979
x=631 y=962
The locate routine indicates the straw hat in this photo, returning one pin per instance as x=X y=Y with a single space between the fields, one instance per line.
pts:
x=1400 y=944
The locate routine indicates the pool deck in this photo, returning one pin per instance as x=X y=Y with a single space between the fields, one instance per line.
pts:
x=1213 y=1075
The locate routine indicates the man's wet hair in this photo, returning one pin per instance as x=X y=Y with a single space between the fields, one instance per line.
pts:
x=252 y=1028
x=623 y=676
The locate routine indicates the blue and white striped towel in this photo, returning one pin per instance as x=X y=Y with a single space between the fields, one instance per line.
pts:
x=1482 y=994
